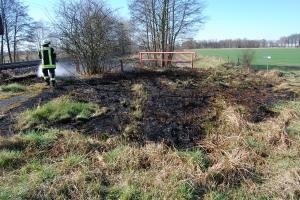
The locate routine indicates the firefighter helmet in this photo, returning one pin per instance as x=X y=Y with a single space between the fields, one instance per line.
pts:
x=45 y=42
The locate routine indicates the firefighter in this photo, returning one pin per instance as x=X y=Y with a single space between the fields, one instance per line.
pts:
x=48 y=57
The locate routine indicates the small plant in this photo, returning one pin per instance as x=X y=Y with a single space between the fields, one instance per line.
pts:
x=138 y=114
x=132 y=132
x=14 y=88
x=124 y=103
x=112 y=156
x=139 y=90
x=138 y=104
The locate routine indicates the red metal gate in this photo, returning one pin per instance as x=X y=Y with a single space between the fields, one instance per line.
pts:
x=189 y=59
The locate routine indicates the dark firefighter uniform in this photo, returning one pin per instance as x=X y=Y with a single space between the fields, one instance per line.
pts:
x=48 y=57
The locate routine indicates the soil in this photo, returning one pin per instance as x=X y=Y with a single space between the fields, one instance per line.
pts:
x=180 y=102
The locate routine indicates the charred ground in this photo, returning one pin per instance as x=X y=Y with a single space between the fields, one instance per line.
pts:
x=178 y=105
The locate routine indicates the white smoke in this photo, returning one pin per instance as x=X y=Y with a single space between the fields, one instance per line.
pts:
x=63 y=69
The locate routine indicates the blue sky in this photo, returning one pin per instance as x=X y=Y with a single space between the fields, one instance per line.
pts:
x=252 y=19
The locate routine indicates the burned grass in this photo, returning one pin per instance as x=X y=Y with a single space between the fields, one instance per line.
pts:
x=174 y=106
x=177 y=106
x=165 y=134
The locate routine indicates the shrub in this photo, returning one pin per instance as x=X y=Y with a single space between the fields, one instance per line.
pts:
x=247 y=58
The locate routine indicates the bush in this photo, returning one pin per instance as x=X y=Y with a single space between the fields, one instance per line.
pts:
x=247 y=58
x=79 y=22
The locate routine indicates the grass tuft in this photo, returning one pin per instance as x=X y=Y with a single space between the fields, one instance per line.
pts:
x=58 y=110
x=42 y=138
x=14 y=88
x=139 y=90
x=196 y=157
x=10 y=159
x=138 y=114
x=125 y=193
x=74 y=160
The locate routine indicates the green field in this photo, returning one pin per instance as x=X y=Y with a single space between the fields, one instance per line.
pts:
x=283 y=59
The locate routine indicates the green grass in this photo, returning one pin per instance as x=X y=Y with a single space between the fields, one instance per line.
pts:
x=124 y=193
x=283 y=59
x=196 y=157
x=14 y=88
x=22 y=184
x=58 y=110
x=74 y=160
x=9 y=158
x=40 y=138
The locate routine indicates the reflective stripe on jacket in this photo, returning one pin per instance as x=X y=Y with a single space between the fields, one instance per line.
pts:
x=48 y=57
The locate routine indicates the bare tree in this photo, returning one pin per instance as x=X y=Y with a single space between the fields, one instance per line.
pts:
x=21 y=27
x=16 y=25
x=6 y=13
x=88 y=31
x=124 y=40
x=162 y=22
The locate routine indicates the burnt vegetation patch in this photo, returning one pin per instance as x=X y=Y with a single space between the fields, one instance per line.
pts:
x=174 y=106
x=171 y=133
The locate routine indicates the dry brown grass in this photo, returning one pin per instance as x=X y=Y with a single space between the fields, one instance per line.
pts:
x=154 y=168
x=232 y=161
x=232 y=120
x=231 y=168
x=285 y=185
x=238 y=149
x=274 y=75
x=209 y=62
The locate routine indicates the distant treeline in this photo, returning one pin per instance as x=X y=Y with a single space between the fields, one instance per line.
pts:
x=284 y=42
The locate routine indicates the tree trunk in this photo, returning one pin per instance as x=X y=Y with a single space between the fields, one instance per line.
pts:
x=163 y=31
x=3 y=30
x=8 y=43
x=15 y=38
x=2 y=47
